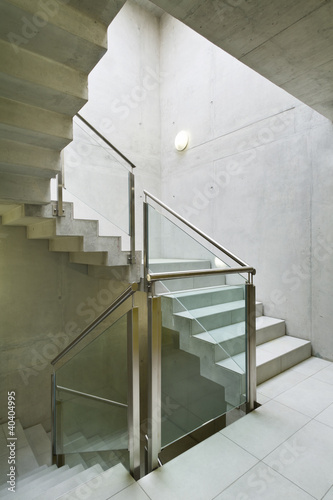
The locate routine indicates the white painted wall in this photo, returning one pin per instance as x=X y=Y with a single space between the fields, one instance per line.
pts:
x=257 y=176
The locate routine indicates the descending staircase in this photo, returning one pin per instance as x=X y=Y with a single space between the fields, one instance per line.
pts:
x=84 y=475
x=80 y=238
x=220 y=311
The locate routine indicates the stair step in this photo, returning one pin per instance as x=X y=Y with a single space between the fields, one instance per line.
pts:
x=28 y=476
x=44 y=485
x=280 y=354
x=89 y=258
x=273 y=357
x=52 y=476
x=40 y=444
x=28 y=214
x=73 y=459
x=82 y=34
x=66 y=244
x=269 y=329
x=26 y=461
x=37 y=474
x=71 y=483
x=206 y=297
x=26 y=159
x=25 y=189
x=110 y=482
x=266 y=329
x=31 y=125
x=56 y=83
x=168 y=265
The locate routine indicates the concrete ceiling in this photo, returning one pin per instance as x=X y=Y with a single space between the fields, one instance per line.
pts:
x=290 y=42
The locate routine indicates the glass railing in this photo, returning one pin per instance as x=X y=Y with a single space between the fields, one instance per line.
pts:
x=93 y=387
x=91 y=392
x=203 y=357
x=99 y=182
x=172 y=246
x=204 y=327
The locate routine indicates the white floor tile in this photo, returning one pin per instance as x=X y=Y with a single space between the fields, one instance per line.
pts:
x=307 y=459
x=261 y=431
x=281 y=383
x=310 y=397
x=311 y=366
x=262 y=399
x=133 y=492
x=325 y=375
x=329 y=495
x=201 y=473
x=326 y=416
x=263 y=483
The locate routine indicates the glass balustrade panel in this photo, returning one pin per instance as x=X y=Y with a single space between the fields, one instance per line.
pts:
x=92 y=397
x=203 y=356
x=97 y=181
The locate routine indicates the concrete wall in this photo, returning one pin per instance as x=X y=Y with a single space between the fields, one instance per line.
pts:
x=124 y=105
x=45 y=303
x=257 y=174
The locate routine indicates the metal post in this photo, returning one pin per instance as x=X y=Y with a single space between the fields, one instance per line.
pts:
x=53 y=419
x=251 y=371
x=59 y=208
x=133 y=391
x=154 y=405
x=145 y=242
x=132 y=216
x=57 y=458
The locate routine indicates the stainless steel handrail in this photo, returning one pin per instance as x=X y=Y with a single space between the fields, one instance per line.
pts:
x=91 y=396
x=120 y=300
x=198 y=272
x=104 y=139
x=198 y=231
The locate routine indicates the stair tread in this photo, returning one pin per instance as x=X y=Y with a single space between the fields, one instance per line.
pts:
x=69 y=484
x=266 y=352
x=210 y=310
x=230 y=332
x=110 y=482
x=39 y=443
x=29 y=476
x=44 y=470
x=52 y=474
x=280 y=346
x=202 y=291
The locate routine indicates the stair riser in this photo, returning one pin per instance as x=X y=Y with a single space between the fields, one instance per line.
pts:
x=234 y=383
x=282 y=363
x=207 y=299
x=237 y=345
x=217 y=320
x=270 y=333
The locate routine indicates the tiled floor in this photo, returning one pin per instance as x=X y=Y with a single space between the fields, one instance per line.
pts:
x=282 y=450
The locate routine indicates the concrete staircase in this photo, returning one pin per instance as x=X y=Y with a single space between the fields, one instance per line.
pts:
x=47 y=50
x=80 y=238
x=211 y=325
x=83 y=476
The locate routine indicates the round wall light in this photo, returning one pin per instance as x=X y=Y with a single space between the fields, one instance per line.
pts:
x=181 y=140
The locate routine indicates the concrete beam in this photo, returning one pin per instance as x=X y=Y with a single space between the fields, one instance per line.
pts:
x=289 y=43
